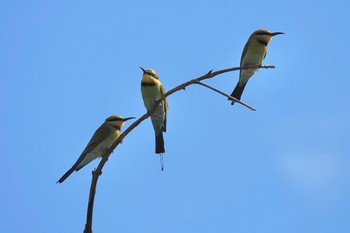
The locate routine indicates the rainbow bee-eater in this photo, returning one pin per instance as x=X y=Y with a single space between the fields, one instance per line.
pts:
x=253 y=53
x=152 y=89
x=101 y=141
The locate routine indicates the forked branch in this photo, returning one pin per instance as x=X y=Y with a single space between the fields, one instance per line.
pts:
x=98 y=171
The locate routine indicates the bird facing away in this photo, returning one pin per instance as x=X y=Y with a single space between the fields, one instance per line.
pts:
x=101 y=141
x=152 y=89
x=253 y=53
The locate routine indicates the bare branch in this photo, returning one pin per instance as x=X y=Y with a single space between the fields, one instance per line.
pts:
x=224 y=94
x=98 y=171
x=209 y=75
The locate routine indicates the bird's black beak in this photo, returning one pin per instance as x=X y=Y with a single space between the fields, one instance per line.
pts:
x=128 y=118
x=144 y=71
x=276 y=33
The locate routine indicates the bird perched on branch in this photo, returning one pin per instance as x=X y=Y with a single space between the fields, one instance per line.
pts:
x=101 y=141
x=152 y=90
x=253 y=53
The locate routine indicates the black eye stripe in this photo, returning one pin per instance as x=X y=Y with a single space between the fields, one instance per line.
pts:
x=262 y=34
x=114 y=119
x=152 y=74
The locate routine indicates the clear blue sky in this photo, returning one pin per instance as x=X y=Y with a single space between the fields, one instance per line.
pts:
x=67 y=65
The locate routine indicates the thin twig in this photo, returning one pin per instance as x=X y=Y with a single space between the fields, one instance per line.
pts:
x=224 y=94
x=98 y=171
x=209 y=75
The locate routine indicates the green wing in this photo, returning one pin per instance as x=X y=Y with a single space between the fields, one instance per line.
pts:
x=265 y=54
x=244 y=51
x=166 y=107
x=101 y=134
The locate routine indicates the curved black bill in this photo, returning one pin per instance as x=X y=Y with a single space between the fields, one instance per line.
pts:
x=276 y=33
x=128 y=118
x=144 y=71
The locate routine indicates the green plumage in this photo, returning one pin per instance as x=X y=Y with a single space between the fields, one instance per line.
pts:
x=152 y=90
x=253 y=53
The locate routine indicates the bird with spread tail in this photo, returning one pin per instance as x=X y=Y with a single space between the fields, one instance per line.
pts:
x=152 y=90
x=253 y=53
x=101 y=141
